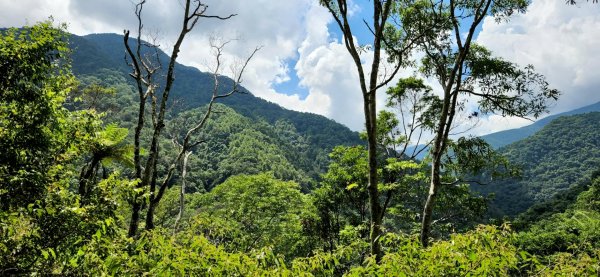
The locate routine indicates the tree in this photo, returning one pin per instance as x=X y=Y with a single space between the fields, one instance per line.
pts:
x=145 y=64
x=257 y=211
x=467 y=70
x=414 y=109
x=342 y=198
x=390 y=33
x=42 y=220
x=108 y=146
x=33 y=84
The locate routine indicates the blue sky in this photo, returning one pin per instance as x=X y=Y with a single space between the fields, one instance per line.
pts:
x=361 y=11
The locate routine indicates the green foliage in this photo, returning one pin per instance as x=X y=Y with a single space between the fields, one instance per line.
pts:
x=425 y=105
x=507 y=137
x=505 y=87
x=250 y=152
x=42 y=221
x=474 y=157
x=234 y=144
x=590 y=199
x=261 y=224
x=342 y=200
x=98 y=54
x=559 y=203
x=33 y=85
x=567 y=243
x=562 y=155
x=486 y=251
x=256 y=211
x=576 y=231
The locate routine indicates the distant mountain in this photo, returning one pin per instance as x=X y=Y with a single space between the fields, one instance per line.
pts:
x=97 y=52
x=558 y=203
x=506 y=137
x=245 y=135
x=564 y=153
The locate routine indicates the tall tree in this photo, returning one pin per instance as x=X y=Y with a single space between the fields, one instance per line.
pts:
x=145 y=64
x=467 y=71
x=41 y=219
x=390 y=33
x=34 y=82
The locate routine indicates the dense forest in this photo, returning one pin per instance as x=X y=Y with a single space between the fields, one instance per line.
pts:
x=561 y=156
x=143 y=166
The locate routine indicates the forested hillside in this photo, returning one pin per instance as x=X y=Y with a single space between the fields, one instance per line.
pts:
x=507 y=137
x=232 y=143
x=558 y=157
x=95 y=54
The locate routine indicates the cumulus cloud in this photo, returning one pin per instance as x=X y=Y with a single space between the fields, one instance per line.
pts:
x=561 y=41
x=495 y=123
x=286 y=30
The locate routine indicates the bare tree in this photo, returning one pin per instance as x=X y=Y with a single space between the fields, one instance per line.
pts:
x=146 y=65
x=182 y=191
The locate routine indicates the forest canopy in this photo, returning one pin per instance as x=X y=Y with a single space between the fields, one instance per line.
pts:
x=102 y=173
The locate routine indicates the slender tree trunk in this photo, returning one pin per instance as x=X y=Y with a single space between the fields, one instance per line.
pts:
x=428 y=209
x=150 y=216
x=154 y=198
x=86 y=177
x=381 y=11
x=136 y=206
x=135 y=218
x=370 y=117
x=437 y=152
x=182 y=192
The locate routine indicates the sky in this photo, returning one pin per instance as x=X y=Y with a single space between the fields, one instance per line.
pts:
x=303 y=64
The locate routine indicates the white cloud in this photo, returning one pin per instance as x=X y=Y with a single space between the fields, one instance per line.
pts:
x=286 y=30
x=561 y=41
x=495 y=123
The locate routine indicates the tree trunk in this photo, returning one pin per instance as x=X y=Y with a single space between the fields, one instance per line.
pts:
x=428 y=209
x=372 y=187
x=85 y=178
x=150 y=216
x=135 y=218
x=182 y=192
x=441 y=135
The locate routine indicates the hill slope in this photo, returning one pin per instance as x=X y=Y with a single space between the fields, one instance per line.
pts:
x=563 y=153
x=507 y=137
x=246 y=134
x=95 y=52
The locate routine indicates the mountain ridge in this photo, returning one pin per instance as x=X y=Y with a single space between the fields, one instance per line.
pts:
x=505 y=137
x=562 y=154
x=191 y=89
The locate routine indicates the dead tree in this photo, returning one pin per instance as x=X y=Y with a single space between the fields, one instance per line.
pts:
x=145 y=68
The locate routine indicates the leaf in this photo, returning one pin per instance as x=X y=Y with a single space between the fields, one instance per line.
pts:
x=352 y=186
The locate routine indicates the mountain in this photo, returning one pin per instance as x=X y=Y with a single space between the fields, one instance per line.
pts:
x=96 y=52
x=559 y=203
x=561 y=155
x=506 y=137
x=101 y=58
x=245 y=134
